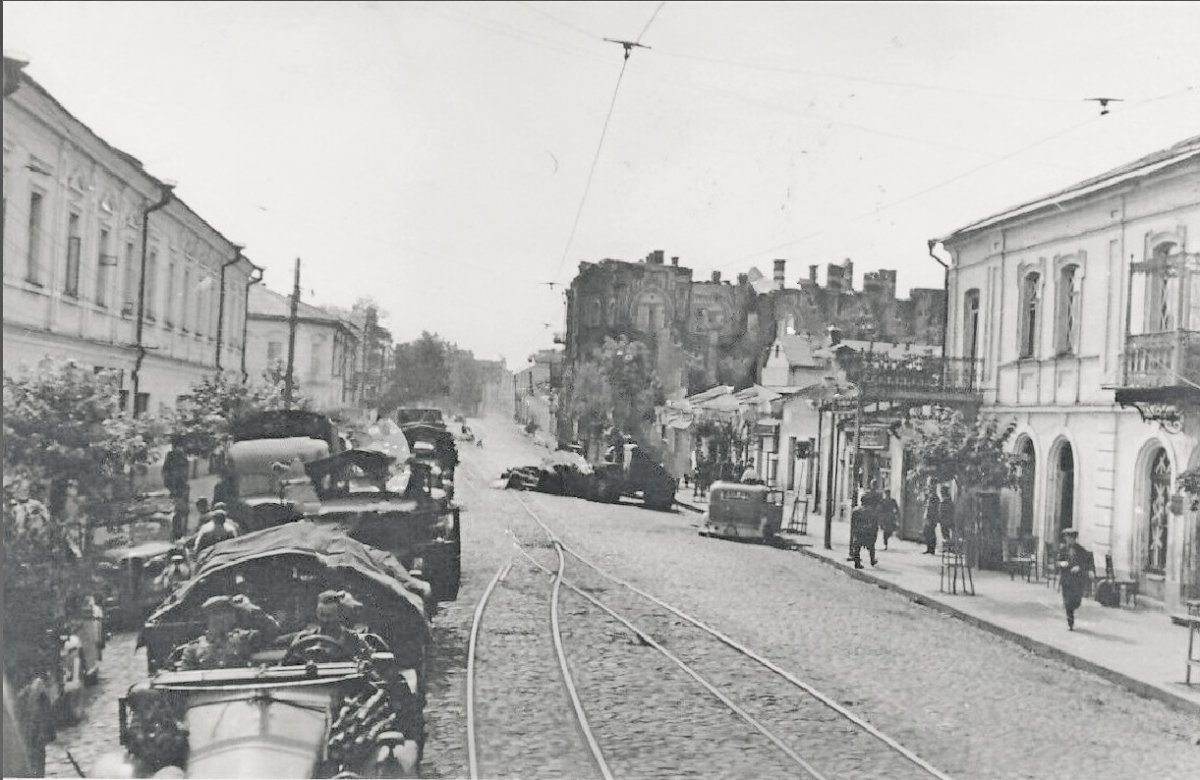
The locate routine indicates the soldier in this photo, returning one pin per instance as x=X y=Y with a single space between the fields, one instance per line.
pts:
x=1074 y=565
x=225 y=645
x=334 y=611
x=864 y=528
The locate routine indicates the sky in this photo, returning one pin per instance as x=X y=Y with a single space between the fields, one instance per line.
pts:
x=435 y=156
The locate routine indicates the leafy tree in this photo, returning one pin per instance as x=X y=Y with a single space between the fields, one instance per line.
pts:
x=947 y=448
x=206 y=415
x=618 y=387
x=421 y=373
x=63 y=424
x=466 y=381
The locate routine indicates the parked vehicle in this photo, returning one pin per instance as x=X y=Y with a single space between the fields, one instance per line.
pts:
x=137 y=562
x=628 y=471
x=295 y=710
x=743 y=511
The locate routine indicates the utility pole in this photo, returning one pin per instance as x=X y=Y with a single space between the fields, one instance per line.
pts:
x=291 y=361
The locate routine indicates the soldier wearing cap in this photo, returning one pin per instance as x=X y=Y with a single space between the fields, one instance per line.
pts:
x=223 y=644
x=1074 y=566
x=334 y=611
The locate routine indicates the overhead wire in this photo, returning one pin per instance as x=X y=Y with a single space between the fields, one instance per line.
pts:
x=600 y=146
x=951 y=180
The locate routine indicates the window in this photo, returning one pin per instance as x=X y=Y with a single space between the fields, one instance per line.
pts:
x=1030 y=305
x=1067 y=327
x=129 y=283
x=74 y=243
x=104 y=261
x=1159 y=514
x=141 y=403
x=185 y=300
x=971 y=324
x=274 y=351
x=33 y=263
x=314 y=365
x=169 y=301
x=594 y=314
x=151 y=284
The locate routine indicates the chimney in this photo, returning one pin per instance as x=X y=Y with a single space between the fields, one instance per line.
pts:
x=812 y=274
x=716 y=276
x=849 y=266
x=743 y=280
x=675 y=261
x=780 y=265
x=835 y=335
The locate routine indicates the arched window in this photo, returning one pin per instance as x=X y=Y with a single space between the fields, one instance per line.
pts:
x=594 y=314
x=649 y=314
x=1030 y=311
x=1025 y=486
x=1158 y=512
x=1066 y=331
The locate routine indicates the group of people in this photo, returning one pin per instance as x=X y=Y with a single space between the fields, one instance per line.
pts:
x=710 y=470
x=939 y=513
x=876 y=511
x=237 y=628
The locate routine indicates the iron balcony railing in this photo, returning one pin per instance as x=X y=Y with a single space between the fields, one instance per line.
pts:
x=1169 y=359
x=927 y=375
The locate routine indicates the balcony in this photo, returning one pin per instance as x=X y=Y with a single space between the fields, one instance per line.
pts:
x=1161 y=374
x=919 y=378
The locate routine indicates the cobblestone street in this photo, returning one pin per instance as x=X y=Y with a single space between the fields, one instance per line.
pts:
x=972 y=705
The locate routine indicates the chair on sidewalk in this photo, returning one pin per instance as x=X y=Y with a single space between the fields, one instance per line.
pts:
x=1020 y=557
x=1050 y=564
x=956 y=566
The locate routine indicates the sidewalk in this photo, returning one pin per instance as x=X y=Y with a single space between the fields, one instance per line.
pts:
x=1139 y=649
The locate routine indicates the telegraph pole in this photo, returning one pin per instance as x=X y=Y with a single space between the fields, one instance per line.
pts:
x=291 y=360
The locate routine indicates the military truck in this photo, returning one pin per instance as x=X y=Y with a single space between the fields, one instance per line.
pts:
x=628 y=471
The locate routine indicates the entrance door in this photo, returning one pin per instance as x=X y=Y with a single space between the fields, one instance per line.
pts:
x=1065 y=498
x=1025 y=488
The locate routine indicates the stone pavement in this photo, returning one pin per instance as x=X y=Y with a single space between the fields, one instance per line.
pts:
x=1138 y=648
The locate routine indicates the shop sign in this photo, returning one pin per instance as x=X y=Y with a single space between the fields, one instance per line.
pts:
x=875 y=438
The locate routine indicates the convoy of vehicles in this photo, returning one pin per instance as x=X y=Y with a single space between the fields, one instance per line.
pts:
x=743 y=511
x=313 y=707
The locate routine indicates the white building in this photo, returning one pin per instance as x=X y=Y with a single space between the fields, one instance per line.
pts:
x=1084 y=307
x=80 y=282
x=327 y=352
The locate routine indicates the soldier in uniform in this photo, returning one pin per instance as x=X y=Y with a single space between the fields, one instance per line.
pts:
x=224 y=644
x=1074 y=566
x=335 y=609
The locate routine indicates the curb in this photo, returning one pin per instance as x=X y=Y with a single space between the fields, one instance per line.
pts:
x=689 y=507
x=1146 y=690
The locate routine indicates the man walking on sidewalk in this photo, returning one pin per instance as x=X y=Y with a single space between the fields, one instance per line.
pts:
x=932 y=515
x=1074 y=564
x=864 y=528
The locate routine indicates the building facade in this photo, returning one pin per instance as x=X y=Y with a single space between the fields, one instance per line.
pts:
x=104 y=265
x=328 y=353
x=1085 y=309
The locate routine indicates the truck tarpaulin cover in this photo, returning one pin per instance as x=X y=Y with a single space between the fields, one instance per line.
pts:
x=327 y=545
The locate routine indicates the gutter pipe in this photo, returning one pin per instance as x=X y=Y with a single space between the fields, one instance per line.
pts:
x=246 y=317
x=163 y=199
x=221 y=304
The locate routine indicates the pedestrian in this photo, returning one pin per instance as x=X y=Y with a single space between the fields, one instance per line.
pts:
x=932 y=515
x=223 y=644
x=889 y=517
x=864 y=529
x=1074 y=565
x=946 y=515
x=223 y=491
x=175 y=469
x=750 y=475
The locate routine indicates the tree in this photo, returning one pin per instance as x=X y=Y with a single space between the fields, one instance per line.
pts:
x=466 y=381
x=618 y=387
x=946 y=448
x=63 y=424
x=206 y=415
x=421 y=373
x=587 y=398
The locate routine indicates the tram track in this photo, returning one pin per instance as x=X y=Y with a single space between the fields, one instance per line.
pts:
x=860 y=736
x=785 y=717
